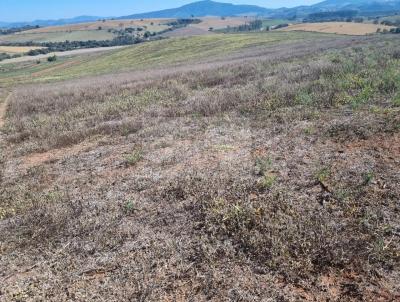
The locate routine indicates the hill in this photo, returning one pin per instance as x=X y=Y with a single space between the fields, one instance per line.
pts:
x=45 y=23
x=203 y=9
x=361 y=7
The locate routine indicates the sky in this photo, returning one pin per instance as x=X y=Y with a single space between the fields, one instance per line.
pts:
x=29 y=10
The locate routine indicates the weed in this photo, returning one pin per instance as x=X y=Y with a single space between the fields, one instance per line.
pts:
x=323 y=174
x=224 y=148
x=262 y=165
x=267 y=181
x=396 y=100
x=309 y=130
x=368 y=177
x=133 y=158
x=130 y=207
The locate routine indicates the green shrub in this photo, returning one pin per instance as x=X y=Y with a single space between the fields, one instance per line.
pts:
x=396 y=100
x=52 y=58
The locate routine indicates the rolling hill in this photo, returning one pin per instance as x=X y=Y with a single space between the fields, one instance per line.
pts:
x=203 y=9
x=362 y=7
x=45 y=23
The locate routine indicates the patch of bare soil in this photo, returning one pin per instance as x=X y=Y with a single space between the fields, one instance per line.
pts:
x=3 y=108
x=37 y=159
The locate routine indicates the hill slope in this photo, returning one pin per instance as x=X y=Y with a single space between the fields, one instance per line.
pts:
x=363 y=7
x=45 y=23
x=202 y=9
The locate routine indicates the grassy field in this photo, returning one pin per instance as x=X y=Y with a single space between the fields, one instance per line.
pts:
x=146 y=55
x=341 y=28
x=243 y=167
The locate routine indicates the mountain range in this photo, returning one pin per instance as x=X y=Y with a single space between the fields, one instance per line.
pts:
x=212 y=8
x=203 y=9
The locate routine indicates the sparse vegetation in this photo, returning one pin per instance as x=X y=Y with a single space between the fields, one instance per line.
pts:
x=235 y=200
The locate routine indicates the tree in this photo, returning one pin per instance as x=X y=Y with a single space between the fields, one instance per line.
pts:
x=52 y=58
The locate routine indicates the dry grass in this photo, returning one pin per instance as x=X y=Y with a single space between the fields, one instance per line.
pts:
x=341 y=28
x=249 y=181
x=17 y=49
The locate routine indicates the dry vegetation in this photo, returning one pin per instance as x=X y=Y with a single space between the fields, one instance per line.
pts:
x=273 y=178
x=17 y=49
x=342 y=28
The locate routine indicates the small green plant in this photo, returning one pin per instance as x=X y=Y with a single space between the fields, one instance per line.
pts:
x=224 y=148
x=323 y=174
x=368 y=177
x=396 y=100
x=262 y=164
x=309 y=130
x=304 y=98
x=268 y=181
x=129 y=207
x=133 y=158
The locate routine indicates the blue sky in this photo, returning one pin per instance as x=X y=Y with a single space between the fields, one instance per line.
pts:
x=28 y=10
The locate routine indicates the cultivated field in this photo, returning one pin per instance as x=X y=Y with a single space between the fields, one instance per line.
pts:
x=203 y=28
x=150 y=24
x=98 y=31
x=342 y=28
x=219 y=23
x=243 y=167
